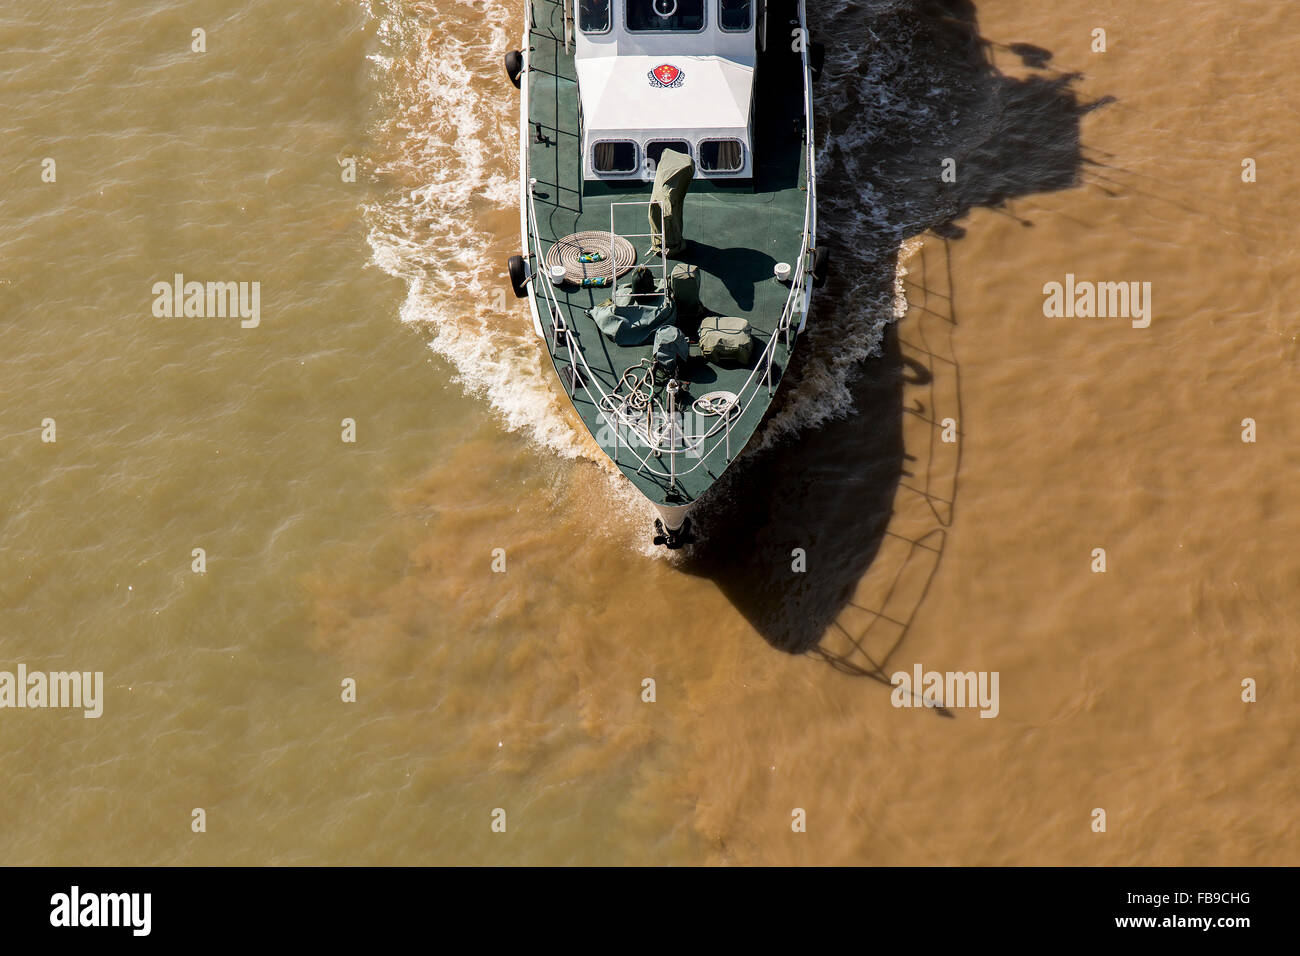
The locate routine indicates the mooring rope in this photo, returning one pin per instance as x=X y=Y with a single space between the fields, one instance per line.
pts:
x=571 y=250
x=640 y=406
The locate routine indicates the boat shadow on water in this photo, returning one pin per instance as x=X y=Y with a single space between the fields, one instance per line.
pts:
x=827 y=541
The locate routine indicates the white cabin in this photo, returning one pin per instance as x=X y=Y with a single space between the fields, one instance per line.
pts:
x=666 y=74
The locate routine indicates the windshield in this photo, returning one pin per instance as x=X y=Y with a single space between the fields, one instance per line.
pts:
x=593 y=16
x=733 y=15
x=682 y=16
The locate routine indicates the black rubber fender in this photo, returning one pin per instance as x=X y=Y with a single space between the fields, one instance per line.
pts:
x=518 y=270
x=821 y=266
x=816 y=59
x=514 y=66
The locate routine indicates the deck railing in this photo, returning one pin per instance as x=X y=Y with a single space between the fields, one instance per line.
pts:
x=663 y=249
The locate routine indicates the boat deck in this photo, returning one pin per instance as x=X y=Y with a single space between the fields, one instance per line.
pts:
x=736 y=232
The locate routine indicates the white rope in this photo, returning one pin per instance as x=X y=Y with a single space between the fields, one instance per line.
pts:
x=571 y=250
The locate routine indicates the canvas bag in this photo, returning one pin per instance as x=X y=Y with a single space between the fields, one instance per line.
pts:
x=726 y=339
x=684 y=282
x=671 y=349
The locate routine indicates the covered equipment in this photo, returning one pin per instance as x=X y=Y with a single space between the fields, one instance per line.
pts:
x=672 y=182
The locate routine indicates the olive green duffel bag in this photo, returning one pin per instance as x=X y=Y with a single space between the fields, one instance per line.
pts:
x=726 y=339
x=684 y=280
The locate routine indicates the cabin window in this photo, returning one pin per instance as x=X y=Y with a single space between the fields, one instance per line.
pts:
x=659 y=16
x=735 y=16
x=722 y=155
x=655 y=149
x=593 y=16
x=614 y=156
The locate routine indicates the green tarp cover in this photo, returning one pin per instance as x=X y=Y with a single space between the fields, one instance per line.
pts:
x=671 y=348
x=672 y=181
x=630 y=323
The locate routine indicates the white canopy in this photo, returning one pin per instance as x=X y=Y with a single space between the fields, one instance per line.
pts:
x=712 y=97
x=692 y=98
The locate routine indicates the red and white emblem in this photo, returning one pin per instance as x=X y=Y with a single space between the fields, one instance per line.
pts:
x=665 y=76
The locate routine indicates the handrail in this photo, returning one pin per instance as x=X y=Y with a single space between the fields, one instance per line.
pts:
x=663 y=252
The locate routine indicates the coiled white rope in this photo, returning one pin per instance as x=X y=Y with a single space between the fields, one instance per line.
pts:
x=569 y=252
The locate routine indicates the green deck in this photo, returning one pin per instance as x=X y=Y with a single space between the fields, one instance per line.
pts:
x=736 y=232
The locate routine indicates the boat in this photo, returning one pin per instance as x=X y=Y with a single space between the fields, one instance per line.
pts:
x=668 y=210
